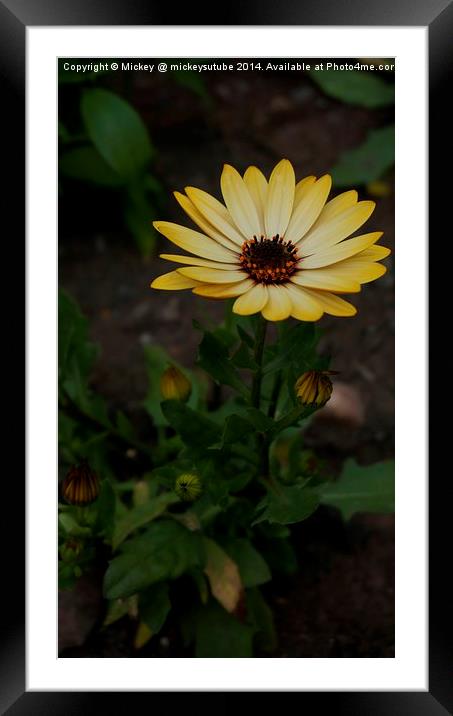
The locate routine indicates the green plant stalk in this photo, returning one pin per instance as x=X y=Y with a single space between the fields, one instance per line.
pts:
x=260 y=339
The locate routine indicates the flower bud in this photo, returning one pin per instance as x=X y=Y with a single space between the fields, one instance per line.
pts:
x=174 y=385
x=314 y=388
x=81 y=485
x=188 y=487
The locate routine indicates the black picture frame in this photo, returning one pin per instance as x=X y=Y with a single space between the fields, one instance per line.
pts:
x=437 y=15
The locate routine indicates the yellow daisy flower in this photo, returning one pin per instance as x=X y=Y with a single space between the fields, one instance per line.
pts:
x=276 y=246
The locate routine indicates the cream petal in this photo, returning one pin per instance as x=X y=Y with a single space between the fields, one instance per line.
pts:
x=374 y=253
x=333 y=230
x=206 y=275
x=193 y=261
x=355 y=268
x=196 y=216
x=341 y=251
x=280 y=199
x=326 y=280
x=193 y=241
x=331 y=304
x=173 y=281
x=304 y=306
x=302 y=187
x=337 y=205
x=239 y=202
x=279 y=305
x=252 y=301
x=308 y=209
x=219 y=290
x=257 y=185
x=216 y=213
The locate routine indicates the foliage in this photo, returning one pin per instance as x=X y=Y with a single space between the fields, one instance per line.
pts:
x=199 y=564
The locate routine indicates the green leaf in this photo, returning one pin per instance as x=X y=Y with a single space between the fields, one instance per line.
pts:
x=220 y=635
x=76 y=354
x=154 y=606
x=291 y=504
x=252 y=567
x=235 y=429
x=140 y=516
x=137 y=214
x=165 y=551
x=354 y=87
x=367 y=162
x=261 y=421
x=281 y=557
x=106 y=508
x=296 y=347
x=117 y=131
x=118 y=608
x=86 y=164
x=260 y=615
x=193 y=427
x=362 y=489
x=213 y=357
x=192 y=81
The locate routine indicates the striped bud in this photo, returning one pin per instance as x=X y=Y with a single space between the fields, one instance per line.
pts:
x=174 y=385
x=314 y=388
x=81 y=485
x=188 y=487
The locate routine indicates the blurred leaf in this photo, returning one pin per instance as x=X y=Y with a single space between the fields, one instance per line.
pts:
x=76 y=354
x=156 y=361
x=138 y=213
x=117 y=131
x=142 y=635
x=235 y=429
x=252 y=567
x=140 y=516
x=192 y=81
x=86 y=164
x=367 y=162
x=296 y=347
x=289 y=505
x=361 y=488
x=355 y=87
x=154 y=606
x=280 y=556
x=117 y=609
x=193 y=427
x=106 y=506
x=213 y=358
x=165 y=551
x=67 y=577
x=261 y=422
x=223 y=575
x=70 y=526
x=262 y=620
x=220 y=635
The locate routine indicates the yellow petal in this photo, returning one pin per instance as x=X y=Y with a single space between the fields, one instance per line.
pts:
x=219 y=290
x=327 y=280
x=206 y=275
x=216 y=213
x=196 y=216
x=280 y=199
x=173 y=281
x=336 y=205
x=251 y=301
x=333 y=230
x=304 y=306
x=193 y=241
x=375 y=253
x=302 y=187
x=341 y=251
x=194 y=261
x=278 y=306
x=355 y=268
x=239 y=202
x=308 y=209
x=257 y=185
x=331 y=304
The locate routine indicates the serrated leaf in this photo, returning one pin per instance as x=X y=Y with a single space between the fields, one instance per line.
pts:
x=362 y=489
x=223 y=575
x=367 y=162
x=288 y=505
x=140 y=516
x=235 y=429
x=213 y=358
x=165 y=551
x=355 y=87
x=219 y=635
x=194 y=428
x=117 y=131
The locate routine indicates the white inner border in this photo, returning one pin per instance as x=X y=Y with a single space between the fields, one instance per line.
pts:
x=408 y=670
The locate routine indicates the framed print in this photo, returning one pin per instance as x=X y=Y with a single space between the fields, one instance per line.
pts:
x=226 y=236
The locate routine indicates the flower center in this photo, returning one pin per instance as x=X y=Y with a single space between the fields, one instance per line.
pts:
x=269 y=260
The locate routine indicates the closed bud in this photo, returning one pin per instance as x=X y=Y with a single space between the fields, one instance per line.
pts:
x=81 y=485
x=174 y=385
x=314 y=387
x=188 y=487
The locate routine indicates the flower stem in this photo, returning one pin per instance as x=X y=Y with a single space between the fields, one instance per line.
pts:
x=260 y=339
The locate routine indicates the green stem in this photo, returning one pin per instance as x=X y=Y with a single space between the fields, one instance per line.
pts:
x=275 y=395
x=260 y=339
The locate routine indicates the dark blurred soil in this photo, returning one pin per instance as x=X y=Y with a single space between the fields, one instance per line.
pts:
x=342 y=602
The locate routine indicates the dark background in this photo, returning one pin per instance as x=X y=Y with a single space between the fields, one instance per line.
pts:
x=342 y=601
